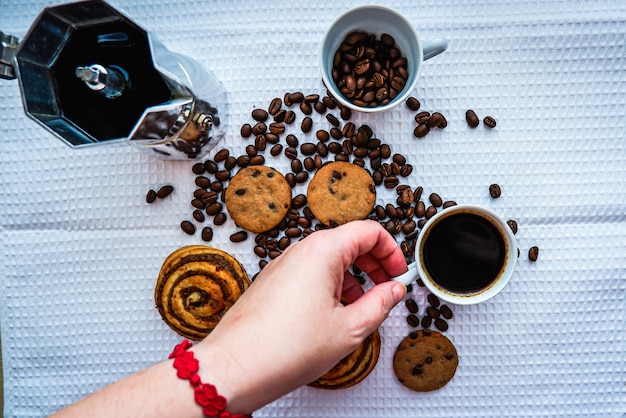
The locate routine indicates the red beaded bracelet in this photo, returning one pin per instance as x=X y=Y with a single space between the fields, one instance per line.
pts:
x=205 y=394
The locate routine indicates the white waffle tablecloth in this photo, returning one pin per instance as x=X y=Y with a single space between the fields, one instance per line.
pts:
x=80 y=248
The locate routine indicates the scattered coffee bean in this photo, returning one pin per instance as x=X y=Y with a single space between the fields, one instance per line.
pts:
x=441 y=324
x=275 y=106
x=246 y=130
x=413 y=104
x=239 y=236
x=433 y=300
x=533 y=253
x=446 y=312
x=513 y=225
x=151 y=196
x=489 y=122
x=411 y=305
x=413 y=320
x=495 y=191
x=164 y=191
x=432 y=312
x=435 y=199
x=421 y=131
x=198 y=215
x=207 y=234
x=188 y=228
x=471 y=118
x=426 y=321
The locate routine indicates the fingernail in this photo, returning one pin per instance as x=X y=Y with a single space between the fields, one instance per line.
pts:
x=398 y=291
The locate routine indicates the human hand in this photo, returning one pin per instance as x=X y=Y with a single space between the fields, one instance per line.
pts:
x=290 y=327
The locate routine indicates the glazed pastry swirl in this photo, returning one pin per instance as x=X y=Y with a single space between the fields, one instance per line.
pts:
x=196 y=286
x=353 y=368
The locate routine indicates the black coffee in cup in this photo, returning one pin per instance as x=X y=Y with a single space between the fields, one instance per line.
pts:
x=464 y=252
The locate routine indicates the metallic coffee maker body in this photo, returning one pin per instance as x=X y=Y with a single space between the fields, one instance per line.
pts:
x=91 y=76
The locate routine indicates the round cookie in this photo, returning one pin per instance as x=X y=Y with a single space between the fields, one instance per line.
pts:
x=196 y=286
x=341 y=192
x=353 y=368
x=425 y=360
x=258 y=198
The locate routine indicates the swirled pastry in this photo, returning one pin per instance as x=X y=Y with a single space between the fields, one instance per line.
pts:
x=353 y=368
x=197 y=284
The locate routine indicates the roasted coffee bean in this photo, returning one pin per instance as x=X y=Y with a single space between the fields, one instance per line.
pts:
x=391 y=182
x=216 y=186
x=290 y=117
x=430 y=212
x=306 y=124
x=260 y=251
x=435 y=199
x=287 y=99
x=207 y=233
x=309 y=164
x=513 y=225
x=471 y=118
x=222 y=175
x=446 y=312
x=495 y=191
x=214 y=208
x=296 y=165
x=433 y=300
x=188 y=228
x=198 y=215
x=377 y=177
x=279 y=117
x=243 y=160
x=345 y=113
x=533 y=253
x=306 y=108
x=259 y=128
x=322 y=135
x=291 y=179
x=202 y=181
x=319 y=107
x=441 y=324
x=406 y=198
x=230 y=162
x=413 y=320
x=251 y=150
x=422 y=117
x=276 y=150
x=296 y=97
x=302 y=177
x=277 y=128
x=448 y=203
x=246 y=130
x=329 y=102
x=298 y=201
x=260 y=115
x=420 y=209
x=275 y=106
x=408 y=227
x=239 y=236
x=197 y=169
x=432 y=312
x=332 y=119
x=257 y=160
x=208 y=197
x=406 y=248
x=291 y=152
x=292 y=140
x=489 y=122
x=283 y=243
x=406 y=170
x=220 y=219
x=164 y=191
x=413 y=104
x=151 y=196
x=426 y=321
x=293 y=232
x=411 y=305
x=399 y=159
x=436 y=120
x=421 y=131
x=260 y=142
x=210 y=166
x=308 y=148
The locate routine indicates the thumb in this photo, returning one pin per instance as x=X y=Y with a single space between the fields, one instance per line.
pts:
x=370 y=310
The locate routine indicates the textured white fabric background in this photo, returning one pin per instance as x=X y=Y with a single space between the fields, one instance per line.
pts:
x=80 y=248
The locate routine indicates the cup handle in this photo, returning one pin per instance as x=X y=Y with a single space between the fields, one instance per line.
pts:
x=409 y=277
x=434 y=47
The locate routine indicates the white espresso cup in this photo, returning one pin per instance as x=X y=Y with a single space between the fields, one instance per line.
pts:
x=377 y=20
x=464 y=254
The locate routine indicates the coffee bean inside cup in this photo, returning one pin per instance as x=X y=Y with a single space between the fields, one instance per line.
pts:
x=369 y=71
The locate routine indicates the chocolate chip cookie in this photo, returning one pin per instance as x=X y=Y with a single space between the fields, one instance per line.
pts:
x=425 y=361
x=258 y=198
x=341 y=192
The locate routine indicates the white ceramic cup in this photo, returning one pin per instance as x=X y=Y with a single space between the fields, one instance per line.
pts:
x=377 y=20
x=419 y=268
